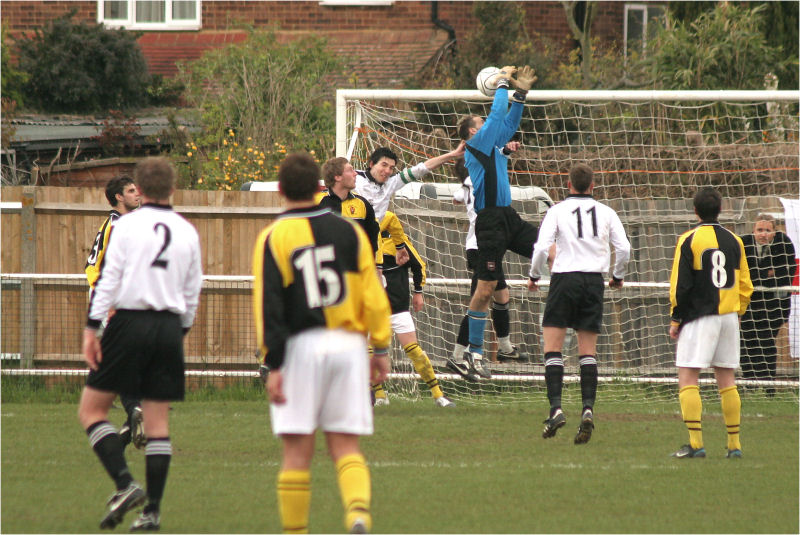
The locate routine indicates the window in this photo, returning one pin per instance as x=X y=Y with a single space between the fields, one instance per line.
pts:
x=150 y=14
x=641 y=22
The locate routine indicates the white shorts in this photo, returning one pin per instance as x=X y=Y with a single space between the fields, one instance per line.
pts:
x=402 y=322
x=709 y=341
x=326 y=383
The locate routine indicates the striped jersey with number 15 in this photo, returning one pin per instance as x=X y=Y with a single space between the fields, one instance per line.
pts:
x=312 y=269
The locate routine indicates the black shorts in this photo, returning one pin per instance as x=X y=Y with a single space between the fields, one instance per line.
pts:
x=397 y=290
x=472 y=262
x=142 y=356
x=499 y=229
x=575 y=300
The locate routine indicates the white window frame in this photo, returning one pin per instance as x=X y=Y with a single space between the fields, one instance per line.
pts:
x=169 y=24
x=337 y=3
x=645 y=9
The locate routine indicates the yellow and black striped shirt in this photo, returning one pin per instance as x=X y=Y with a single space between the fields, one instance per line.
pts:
x=709 y=274
x=394 y=237
x=95 y=261
x=313 y=268
x=353 y=207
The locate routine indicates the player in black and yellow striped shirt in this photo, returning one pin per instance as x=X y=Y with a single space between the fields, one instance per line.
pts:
x=340 y=179
x=709 y=289
x=315 y=298
x=393 y=237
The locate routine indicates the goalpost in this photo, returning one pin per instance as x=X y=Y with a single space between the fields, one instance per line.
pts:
x=650 y=151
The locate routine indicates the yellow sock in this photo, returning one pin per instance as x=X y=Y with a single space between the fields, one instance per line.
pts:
x=354 y=486
x=378 y=390
x=732 y=414
x=423 y=366
x=294 y=499
x=692 y=410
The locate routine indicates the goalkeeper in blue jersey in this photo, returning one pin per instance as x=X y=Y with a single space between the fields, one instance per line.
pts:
x=498 y=227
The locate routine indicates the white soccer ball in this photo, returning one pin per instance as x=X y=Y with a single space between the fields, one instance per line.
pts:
x=482 y=81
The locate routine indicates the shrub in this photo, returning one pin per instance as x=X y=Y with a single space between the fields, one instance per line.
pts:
x=13 y=79
x=265 y=91
x=83 y=67
x=232 y=164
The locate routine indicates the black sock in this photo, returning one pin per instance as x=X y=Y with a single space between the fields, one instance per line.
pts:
x=588 y=380
x=554 y=378
x=158 y=454
x=109 y=449
x=502 y=325
x=463 y=332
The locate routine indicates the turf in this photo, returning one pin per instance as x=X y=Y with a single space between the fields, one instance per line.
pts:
x=471 y=469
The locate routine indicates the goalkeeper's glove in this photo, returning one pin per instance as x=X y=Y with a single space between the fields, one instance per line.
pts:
x=526 y=77
x=503 y=78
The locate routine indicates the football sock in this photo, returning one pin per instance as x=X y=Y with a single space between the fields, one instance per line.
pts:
x=354 y=486
x=500 y=321
x=692 y=409
x=379 y=392
x=588 y=380
x=294 y=499
x=158 y=454
x=732 y=414
x=424 y=368
x=504 y=344
x=129 y=404
x=458 y=351
x=463 y=332
x=108 y=446
x=553 y=378
x=477 y=322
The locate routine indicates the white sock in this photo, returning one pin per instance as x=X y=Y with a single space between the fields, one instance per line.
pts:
x=504 y=344
x=458 y=352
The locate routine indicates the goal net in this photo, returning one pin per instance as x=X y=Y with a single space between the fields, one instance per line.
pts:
x=650 y=152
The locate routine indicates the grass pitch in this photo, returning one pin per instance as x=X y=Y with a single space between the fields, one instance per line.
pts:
x=471 y=469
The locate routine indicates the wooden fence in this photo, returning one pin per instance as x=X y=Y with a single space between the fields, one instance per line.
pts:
x=49 y=230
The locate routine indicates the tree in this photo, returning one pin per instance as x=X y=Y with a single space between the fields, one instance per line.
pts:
x=725 y=48
x=262 y=95
x=83 y=67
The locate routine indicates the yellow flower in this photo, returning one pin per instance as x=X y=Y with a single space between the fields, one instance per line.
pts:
x=199 y=180
x=262 y=154
x=216 y=158
x=227 y=187
x=235 y=144
x=225 y=142
x=282 y=151
x=249 y=149
x=189 y=154
x=260 y=162
x=312 y=152
x=230 y=133
x=249 y=139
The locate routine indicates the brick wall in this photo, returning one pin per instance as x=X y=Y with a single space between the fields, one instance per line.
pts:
x=546 y=18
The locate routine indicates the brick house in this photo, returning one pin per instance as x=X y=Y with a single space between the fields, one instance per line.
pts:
x=385 y=41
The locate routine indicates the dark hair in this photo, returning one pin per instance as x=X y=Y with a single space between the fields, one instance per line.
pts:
x=155 y=176
x=298 y=177
x=382 y=152
x=707 y=204
x=464 y=124
x=331 y=169
x=462 y=173
x=117 y=185
x=580 y=176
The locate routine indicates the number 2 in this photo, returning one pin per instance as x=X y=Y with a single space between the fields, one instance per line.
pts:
x=158 y=261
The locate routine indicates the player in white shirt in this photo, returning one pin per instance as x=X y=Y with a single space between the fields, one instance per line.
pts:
x=582 y=230
x=152 y=277
x=379 y=183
